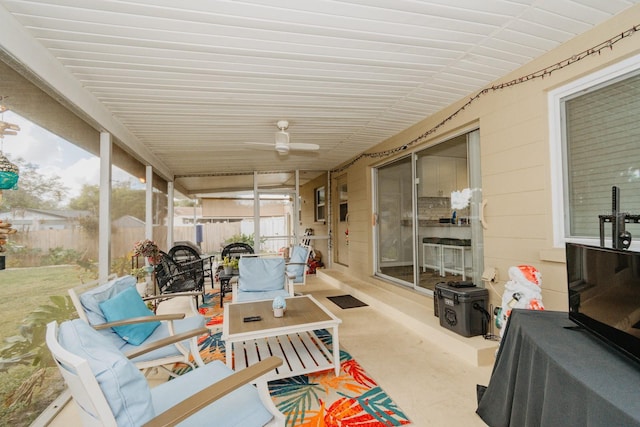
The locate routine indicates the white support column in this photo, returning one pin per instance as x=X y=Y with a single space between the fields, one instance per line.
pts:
x=330 y=223
x=296 y=207
x=148 y=219
x=475 y=182
x=104 y=216
x=195 y=221
x=170 y=191
x=256 y=214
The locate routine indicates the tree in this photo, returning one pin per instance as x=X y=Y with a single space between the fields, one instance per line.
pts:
x=35 y=191
x=125 y=200
x=87 y=200
x=185 y=203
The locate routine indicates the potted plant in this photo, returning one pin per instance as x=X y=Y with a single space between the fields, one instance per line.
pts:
x=230 y=265
x=148 y=249
x=139 y=273
x=226 y=265
x=279 y=306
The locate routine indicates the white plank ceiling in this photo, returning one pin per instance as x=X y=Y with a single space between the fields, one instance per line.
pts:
x=194 y=80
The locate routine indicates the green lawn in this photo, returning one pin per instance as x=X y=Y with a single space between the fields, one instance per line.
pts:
x=24 y=290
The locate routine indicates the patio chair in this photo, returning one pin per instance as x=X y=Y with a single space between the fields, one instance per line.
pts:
x=108 y=389
x=298 y=263
x=126 y=311
x=261 y=278
x=187 y=255
x=232 y=250
x=235 y=250
x=184 y=279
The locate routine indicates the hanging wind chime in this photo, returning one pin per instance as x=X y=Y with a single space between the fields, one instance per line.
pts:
x=9 y=175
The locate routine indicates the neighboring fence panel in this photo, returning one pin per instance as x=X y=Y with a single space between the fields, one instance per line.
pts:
x=49 y=239
x=123 y=239
x=213 y=235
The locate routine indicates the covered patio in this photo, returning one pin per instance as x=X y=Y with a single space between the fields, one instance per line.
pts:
x=353 y=115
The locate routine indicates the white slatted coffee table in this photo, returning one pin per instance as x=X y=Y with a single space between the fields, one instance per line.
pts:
x=290 y=337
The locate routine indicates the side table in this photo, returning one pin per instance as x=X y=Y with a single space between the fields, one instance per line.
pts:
x=225 y=283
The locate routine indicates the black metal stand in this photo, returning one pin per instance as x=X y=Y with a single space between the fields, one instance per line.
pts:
x=620 y=238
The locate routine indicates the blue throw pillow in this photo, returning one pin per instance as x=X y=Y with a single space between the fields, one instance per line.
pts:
x=91 y=299
x=125 y=305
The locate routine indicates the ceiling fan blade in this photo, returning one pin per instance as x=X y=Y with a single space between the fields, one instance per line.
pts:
x=269 y=144
x=303 y=146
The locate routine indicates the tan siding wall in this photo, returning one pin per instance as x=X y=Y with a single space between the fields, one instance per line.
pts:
x=360 y=258
x=514 y=133
x=307 y=195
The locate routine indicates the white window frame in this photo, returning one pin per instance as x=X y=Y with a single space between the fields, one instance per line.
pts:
x=318 y=204
x=556 y=146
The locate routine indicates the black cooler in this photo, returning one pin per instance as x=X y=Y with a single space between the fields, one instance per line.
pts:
x=462 y=310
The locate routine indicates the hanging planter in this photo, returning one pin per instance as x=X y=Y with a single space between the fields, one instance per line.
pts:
x=9 y=174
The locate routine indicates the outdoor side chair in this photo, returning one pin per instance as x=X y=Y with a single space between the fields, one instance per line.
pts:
x=261 y=278
x=185 y=278
x=109 y=391
x=186 y=255
x=120 y=314
x=236 y=249
x=298 y=263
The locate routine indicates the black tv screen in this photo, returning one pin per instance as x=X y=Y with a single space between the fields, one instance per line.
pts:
x=604 y=294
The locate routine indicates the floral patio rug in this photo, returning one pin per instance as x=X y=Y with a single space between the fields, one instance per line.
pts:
x=321 y=399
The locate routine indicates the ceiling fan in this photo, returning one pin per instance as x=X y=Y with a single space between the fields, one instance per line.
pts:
x=282 y=143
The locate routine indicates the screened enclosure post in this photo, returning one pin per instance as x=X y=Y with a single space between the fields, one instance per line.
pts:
x=104 y=220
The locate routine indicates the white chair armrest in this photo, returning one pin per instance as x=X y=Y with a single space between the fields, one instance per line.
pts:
x=234 y=290
x=289 y=285
x=205 y=397
x=143 y=319
x=171 y=339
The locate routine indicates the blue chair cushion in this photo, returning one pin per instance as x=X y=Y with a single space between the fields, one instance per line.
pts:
x=123 y=385
x=91 y=299
x=261 y=274
x=180 y=326
x=126 y=305
x=242 y=407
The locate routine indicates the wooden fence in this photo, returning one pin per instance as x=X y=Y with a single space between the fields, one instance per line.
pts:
x=123 y=239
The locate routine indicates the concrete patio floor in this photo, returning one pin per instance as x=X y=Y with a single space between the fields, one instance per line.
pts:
x=433 y=385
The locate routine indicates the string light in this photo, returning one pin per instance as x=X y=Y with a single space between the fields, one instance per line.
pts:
x=540 y=74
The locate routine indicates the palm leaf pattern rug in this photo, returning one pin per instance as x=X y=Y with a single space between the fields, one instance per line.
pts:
x=322 y=399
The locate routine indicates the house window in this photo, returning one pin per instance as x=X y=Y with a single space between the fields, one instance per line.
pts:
x=597 y=147
x=319 y=205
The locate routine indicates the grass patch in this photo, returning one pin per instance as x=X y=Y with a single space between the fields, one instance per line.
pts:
x=24 y=290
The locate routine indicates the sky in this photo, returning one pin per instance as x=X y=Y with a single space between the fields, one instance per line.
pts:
x=54 y=156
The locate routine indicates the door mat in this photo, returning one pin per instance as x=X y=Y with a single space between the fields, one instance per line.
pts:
x=347 y=301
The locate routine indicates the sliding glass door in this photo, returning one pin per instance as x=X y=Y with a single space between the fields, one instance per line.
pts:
x=394 y=227
x=444 y=229
x=427 y=224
